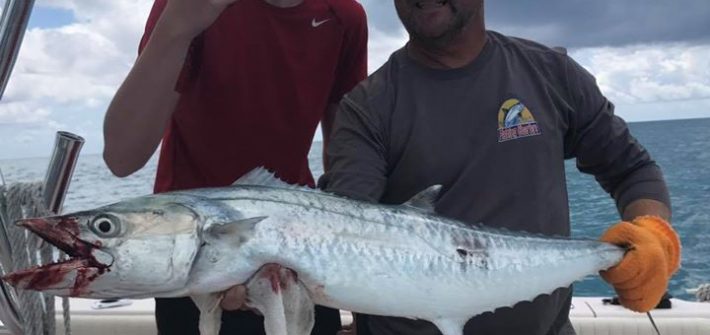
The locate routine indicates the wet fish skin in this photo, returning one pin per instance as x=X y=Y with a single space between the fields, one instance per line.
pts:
x=369 y=258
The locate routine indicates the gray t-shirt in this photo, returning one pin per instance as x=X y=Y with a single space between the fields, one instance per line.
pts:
x=495 y=135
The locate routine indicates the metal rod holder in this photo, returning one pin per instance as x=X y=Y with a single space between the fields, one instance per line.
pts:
x=61 y=169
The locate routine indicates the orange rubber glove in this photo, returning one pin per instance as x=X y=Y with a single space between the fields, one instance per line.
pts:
x=641 y=278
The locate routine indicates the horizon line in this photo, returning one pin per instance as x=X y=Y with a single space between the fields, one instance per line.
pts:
x=320 y=141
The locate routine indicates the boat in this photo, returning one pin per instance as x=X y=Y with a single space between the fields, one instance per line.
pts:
x=589 y=315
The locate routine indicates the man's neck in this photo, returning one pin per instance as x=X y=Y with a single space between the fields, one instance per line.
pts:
x=284 y=3
x=456 y=53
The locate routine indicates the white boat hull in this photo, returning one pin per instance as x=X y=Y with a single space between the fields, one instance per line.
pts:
x=590 y=316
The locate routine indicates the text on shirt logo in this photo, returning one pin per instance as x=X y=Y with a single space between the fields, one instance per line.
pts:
x=516 y=121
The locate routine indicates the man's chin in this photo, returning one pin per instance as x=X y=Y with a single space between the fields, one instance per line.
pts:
x=432 y=37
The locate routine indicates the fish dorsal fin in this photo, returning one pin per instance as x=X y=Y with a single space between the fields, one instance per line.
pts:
x=424 y=200
x=263 y=177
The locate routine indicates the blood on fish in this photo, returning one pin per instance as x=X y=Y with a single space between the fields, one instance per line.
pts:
x=319 y=293
x=63 y=234
x=18 y=277
x=279 y=280
x=47 y=279
x=271 y=272
x=40 y=278
x=84 y=277
x=70 y=225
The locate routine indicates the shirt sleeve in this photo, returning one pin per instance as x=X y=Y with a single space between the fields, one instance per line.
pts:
x=356 y=165
x=352 y=67
x=604 y=147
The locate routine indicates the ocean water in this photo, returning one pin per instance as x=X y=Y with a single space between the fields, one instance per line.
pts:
x=682 y=149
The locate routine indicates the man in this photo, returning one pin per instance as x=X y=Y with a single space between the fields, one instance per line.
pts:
x=492 y=119
x=229 y=86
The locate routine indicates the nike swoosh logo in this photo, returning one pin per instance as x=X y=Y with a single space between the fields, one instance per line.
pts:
x=315 y=23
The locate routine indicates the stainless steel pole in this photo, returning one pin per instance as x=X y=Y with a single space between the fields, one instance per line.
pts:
x=56 y=184
x=61 y=169
x=15 y=16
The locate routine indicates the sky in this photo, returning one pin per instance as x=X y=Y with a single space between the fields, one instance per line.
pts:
x=651 y=58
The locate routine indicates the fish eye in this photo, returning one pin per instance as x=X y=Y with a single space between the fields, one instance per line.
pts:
x=105 y=226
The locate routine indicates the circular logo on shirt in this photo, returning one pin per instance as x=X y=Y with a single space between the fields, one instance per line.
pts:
x=516 y=121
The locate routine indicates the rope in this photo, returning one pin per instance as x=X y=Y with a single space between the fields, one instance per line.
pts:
x=66 y=314
x=653 y=323
x=2 y=179
x=36 y=310
x=703 y=293
x=31 y=303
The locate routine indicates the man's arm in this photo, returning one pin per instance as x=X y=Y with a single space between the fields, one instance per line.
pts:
x=140 y=110
x=357 y=164
x=643 y=207
x=604 y=147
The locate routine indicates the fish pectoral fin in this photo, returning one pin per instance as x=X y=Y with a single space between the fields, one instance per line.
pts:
x=283 y=300
x=425 y=200
x=238 y=229
x=450 y=326
x=210 y=312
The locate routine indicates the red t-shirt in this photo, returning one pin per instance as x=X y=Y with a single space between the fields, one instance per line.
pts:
x=254 y=87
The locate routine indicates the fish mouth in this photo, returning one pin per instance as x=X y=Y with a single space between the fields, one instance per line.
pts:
x=67 y=277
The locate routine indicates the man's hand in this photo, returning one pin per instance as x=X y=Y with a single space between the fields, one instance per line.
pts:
x=235 y=298
x=188 y=18
x=653 y=256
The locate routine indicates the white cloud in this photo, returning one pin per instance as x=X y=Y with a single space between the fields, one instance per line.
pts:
x=22 y=113
x=650 y=73
x=84 y=61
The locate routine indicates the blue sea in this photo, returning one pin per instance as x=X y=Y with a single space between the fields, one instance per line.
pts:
x=681 y=148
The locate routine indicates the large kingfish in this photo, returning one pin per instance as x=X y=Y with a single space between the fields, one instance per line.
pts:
x=386 y=260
